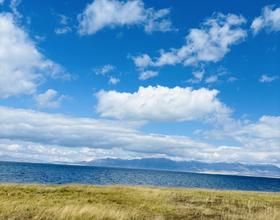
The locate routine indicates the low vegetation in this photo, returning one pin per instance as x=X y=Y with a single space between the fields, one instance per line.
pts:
x=71 y=202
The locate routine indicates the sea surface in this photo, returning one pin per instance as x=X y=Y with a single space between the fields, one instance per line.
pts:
x=11 y=172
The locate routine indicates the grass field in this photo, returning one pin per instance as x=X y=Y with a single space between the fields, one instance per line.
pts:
x=24 y=202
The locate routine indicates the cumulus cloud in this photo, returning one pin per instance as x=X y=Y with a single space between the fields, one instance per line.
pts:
x=22 y=66
x=42 y=137
x=161 y=104
x=209 y=43
x=267 y=79
x=49 y=99
x=114 y=13
x=269 y=20
x=142 y=61
x=148 y=74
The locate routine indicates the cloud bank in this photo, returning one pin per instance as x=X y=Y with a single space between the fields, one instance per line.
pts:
x=32 y=135
x=45 y=129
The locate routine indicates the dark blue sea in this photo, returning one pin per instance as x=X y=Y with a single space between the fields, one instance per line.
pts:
x=65 y=174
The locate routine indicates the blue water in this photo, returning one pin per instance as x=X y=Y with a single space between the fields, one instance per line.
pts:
x=64 y=174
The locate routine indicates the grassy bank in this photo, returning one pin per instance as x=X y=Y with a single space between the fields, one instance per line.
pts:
x=115 y=202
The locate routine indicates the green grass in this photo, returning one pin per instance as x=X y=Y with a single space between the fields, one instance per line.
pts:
x=71 y=202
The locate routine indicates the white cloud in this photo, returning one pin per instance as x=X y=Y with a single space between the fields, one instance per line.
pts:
x=262 y=136
x=35 y=152
x=14 y=5
x=142 y=61
x=221 y=75
x=63 y=19
x=36 y=136
x=148 y=74
x=268 y=20
x=161 y=104
x=22 y=66
x=156 y=21
x=267 y=79
x=232 y=79
x=62 y=30
x=103 y=70
x=197 y=76
x=260 y=140
x=210 y=43
x=49 y=99
x=266 y=127
x=212 y=79
x=56 y=130
x=114 y=80
x=64 y=27
x=114 y=13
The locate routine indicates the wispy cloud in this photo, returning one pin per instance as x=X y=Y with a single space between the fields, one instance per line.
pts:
x=14 y=7
x=103 y=70
x=267 y=79
x=148 y=74
x=221 y=75
x=64 y=26
x=197 y=76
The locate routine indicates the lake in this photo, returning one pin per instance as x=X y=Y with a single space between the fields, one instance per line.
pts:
x=13 y=172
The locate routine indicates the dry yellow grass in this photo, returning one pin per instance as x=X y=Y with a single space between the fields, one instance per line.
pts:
x=22 y=202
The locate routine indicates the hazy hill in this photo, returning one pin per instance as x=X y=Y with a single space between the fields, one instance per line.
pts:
x=190 y=166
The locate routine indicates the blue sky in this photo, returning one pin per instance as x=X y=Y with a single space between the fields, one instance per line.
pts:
x=186 y=80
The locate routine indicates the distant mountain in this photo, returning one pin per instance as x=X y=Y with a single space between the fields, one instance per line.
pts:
x=190 y=166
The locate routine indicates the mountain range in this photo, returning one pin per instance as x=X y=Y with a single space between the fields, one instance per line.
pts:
x=265 y=170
